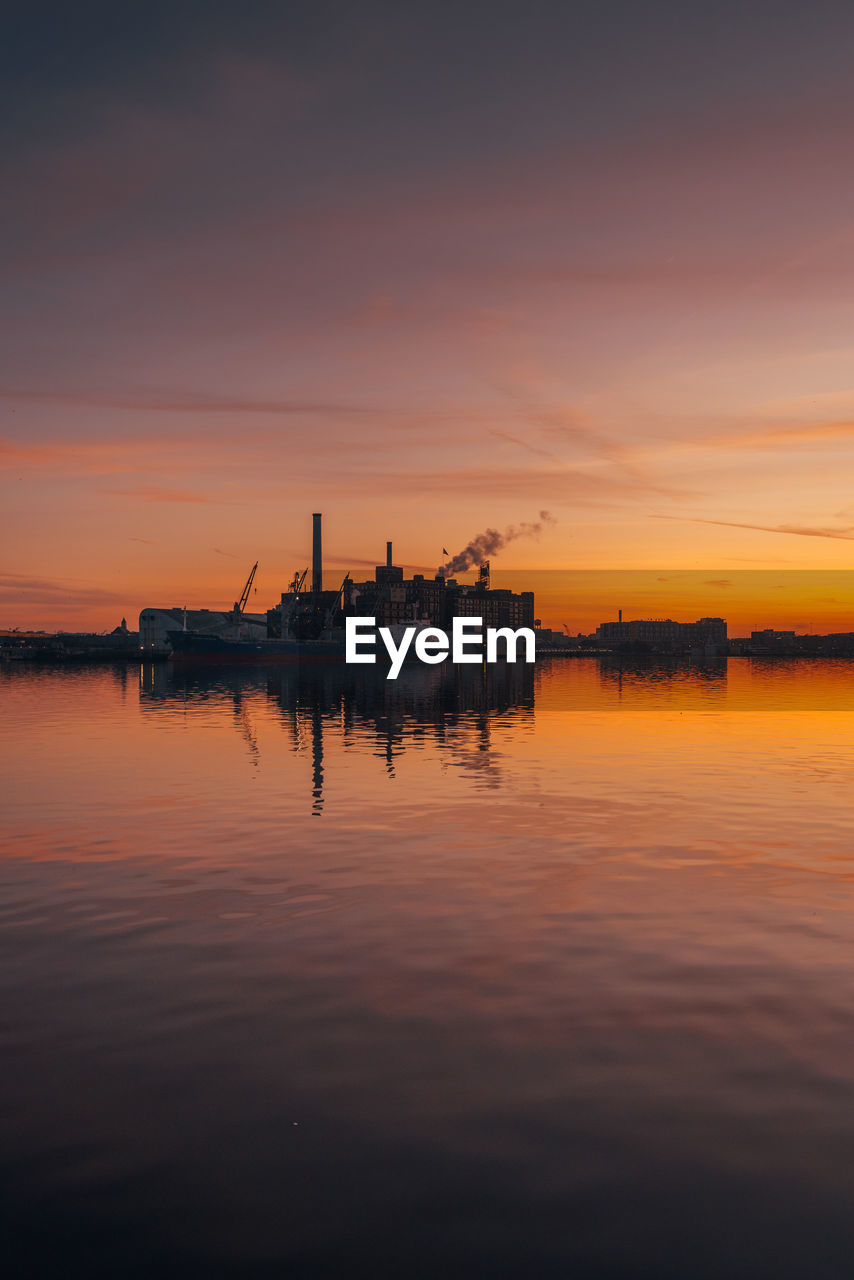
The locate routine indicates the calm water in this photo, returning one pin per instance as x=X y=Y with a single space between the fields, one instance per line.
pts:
x=542 y=974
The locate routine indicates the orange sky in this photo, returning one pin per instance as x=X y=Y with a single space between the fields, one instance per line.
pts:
x=250 y=274
x=820 y=601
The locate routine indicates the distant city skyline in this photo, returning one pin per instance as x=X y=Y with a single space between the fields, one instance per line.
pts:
x=817 y=601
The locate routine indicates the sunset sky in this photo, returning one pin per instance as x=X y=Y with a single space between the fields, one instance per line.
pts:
x=428 y=269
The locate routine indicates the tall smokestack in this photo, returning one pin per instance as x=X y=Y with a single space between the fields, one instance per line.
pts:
x=316 y=555
x=388 y=555
x=620 y=615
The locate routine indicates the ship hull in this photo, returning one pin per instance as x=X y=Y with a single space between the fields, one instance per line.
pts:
x=195 y=647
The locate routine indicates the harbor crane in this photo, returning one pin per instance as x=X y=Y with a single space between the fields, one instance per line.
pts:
x=298 y=582
x=239 y=607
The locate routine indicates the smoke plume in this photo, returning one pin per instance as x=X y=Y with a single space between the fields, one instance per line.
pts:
x=487 y=544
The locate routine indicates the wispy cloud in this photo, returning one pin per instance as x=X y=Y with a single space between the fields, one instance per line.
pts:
x=802 y=531
x=96 y=457
x=16 y=588
x=181 y=402
x=154 y=493
x=525 y=444
x=568 y=484
x=752 y=436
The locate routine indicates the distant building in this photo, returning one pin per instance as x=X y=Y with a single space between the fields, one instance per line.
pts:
x=663 y=634
x=769 y=636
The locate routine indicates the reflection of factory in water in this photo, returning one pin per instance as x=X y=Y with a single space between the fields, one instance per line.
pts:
x=452 y=707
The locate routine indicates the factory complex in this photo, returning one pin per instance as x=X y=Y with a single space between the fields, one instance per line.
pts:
x=309 y=620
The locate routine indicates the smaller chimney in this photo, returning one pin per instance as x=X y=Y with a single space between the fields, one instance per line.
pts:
x=620 y=615
x=388 y=555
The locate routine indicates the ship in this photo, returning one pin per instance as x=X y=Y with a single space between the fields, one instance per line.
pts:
x=199 y=646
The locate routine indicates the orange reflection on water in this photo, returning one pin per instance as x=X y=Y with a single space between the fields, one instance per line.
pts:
x=602 y=908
